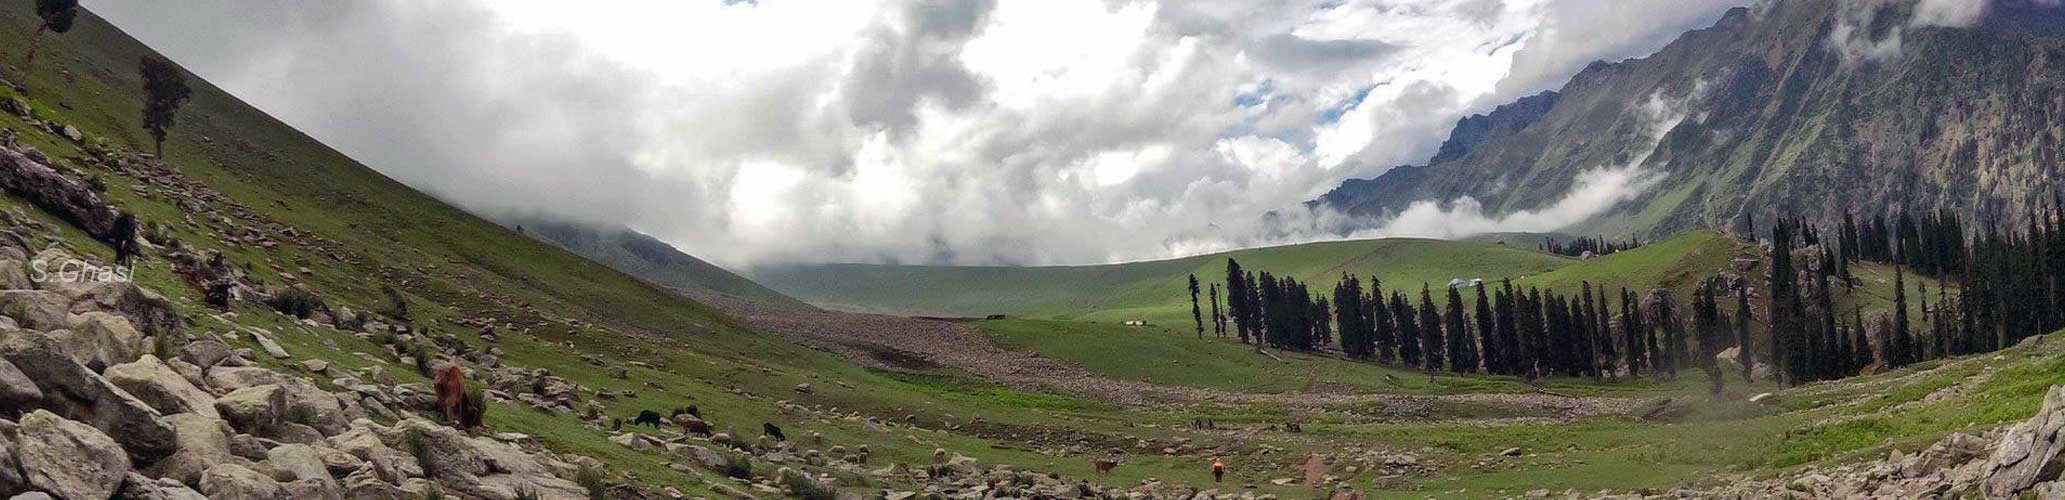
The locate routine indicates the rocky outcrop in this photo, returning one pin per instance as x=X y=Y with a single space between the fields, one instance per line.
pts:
x=2028 y=453
x=75 y=392
x=51 y=191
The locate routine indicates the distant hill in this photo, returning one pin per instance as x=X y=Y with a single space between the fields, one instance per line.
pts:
x=1153 y=290
x=644 y=257
x=1800 y=108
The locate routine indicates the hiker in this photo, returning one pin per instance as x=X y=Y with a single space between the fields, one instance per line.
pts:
x=1218 y=470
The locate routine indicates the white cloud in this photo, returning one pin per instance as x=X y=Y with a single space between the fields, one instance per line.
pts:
x=956 y=131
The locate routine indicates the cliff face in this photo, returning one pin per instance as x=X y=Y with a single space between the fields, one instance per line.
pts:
x=1795 y=107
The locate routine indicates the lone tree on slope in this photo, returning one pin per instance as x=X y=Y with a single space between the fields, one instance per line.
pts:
x=57 y=16
x=1196 y=313
x=164 y=90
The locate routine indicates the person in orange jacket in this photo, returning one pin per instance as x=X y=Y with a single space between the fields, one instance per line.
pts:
x=1218 y=470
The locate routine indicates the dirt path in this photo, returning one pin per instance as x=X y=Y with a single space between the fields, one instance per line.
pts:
x=896 y=342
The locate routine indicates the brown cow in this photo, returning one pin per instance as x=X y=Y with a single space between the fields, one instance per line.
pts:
x=1105 y=465
x=693 y=426
x=451 y=393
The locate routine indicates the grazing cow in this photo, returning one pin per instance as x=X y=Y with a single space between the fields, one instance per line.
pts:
x=451 y=393
x=1105 y=465
x=647 y=417
x=693 y=426
x=768 y=429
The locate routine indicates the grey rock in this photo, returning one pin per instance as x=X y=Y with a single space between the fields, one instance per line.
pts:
x=69 y=458
x=157 y=385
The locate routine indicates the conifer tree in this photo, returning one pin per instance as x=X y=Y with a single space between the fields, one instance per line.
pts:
x=1487 y=328
x=1899 y=345
x=1408 y=329
x=1462 y=346
x=1431 y=345
x=1196 y=313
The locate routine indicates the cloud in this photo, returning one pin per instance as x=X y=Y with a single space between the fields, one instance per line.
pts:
x=1951 y=13
x=941 y=131
x=1595 y=191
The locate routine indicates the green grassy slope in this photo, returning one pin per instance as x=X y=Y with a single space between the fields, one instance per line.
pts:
x=453 y=266
x=1154 y=291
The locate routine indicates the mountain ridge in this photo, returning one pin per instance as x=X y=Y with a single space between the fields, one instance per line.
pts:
x=1774 y=102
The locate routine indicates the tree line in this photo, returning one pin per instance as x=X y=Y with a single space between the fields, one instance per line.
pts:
x=1597 y=246
x=2012 y=287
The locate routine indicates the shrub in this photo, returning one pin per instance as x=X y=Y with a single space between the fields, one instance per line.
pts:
x=738 y=466
x=418 y=442
x=803 y=486
x=397 y=306
x=592 y=482
x=18 y=311
x=476 y=408
x=295 y=302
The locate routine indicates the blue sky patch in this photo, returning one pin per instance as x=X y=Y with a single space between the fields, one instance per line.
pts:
x=1333 y=114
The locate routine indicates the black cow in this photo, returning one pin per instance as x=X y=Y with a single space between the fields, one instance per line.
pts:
x=647 y=417
x=768 y=429
x=691 y=410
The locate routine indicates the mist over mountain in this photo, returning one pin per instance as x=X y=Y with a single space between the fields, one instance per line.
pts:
x=1802 y=108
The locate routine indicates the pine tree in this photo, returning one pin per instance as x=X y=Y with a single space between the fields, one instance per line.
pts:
x=1196 y=313
x=1900 y=345
x=1431 y=345
x=1408 y=330
x=1786 y=321
x=1744 y=354
x=1487 y=327
x=1607 y=361
x=1218 y=319
x=1462 y=347
x=1236 y=298
x=1385 y=319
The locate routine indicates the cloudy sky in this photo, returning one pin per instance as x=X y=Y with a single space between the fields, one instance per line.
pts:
x=938 y=131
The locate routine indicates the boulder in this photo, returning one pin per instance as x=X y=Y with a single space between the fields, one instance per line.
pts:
x=310 y=405
x=364 y=485
x=113 y=340
x=37 y=309
x=70 y=459
x=204 y=353
x=264 y=339
x=157 y=385
x=1950 y=452
x=230 y=481
x=140 y=487
x=231 y=378
x=2028 y=453
x=14 y=275
x=253 y=409
x=312 y=489
x=73 y=391
x=457 y=457
x=11 y=478
x=297 y=462
x=203 y=442
x=16 y=389
x=147 y=311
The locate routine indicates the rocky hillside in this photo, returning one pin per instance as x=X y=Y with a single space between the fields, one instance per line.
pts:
x=1795 y=107
x=645 y=257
